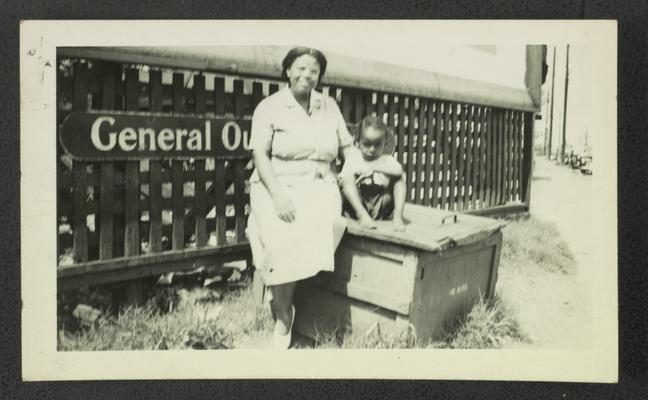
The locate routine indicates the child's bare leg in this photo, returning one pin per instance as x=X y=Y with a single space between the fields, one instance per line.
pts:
x=351 y=193
x=399 y=204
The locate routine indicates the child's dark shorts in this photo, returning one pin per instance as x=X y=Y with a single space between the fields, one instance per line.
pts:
x=378 y=200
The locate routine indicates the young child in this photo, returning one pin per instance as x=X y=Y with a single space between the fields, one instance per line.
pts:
x=373 y=185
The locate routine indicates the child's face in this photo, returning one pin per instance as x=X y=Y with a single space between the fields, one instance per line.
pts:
x=371 y=143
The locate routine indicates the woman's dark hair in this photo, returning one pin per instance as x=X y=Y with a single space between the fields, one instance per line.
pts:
x=297 y=52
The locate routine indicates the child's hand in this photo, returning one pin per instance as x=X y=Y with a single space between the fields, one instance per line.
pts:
x=399 y=225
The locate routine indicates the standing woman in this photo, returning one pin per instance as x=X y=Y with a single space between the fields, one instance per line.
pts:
x=295 y=223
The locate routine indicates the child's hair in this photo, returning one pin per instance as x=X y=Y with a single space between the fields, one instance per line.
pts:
x=375 y=122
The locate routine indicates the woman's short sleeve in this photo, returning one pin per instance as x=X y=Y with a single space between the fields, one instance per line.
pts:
x=261 y=135
x=344 y=137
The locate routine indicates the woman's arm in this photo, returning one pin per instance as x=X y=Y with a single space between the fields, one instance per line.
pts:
x=283 y=204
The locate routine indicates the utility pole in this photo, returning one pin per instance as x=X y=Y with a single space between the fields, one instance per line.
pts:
x=553 y=81
x=564 y=130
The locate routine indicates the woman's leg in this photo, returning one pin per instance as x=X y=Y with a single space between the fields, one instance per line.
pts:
x=282 y=299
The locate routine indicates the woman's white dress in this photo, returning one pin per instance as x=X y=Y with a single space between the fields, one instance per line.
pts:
x=304 y=146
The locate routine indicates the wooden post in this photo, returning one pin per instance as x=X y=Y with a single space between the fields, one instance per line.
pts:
x=564 y=127
x=527 y=158
x=551 y=104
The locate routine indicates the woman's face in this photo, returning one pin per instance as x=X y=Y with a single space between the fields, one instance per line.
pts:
x=303 y=74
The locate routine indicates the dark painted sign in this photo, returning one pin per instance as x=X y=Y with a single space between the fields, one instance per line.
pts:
x=110 y=135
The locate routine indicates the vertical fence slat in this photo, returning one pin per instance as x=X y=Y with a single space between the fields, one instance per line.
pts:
x=347 y=106
x=368 y=101
x=527 y=156
x=106 y=199
x=131 y=201
x=273 y=88
x=483 y=176
x=421 y=139
x=438 y=143
x=476 y=161
x=490 y=157
x=391 y=113
x=219 y=95
x=380 y=105
x=177 y=174
x=155 y=171
x=219 y=165
x=239 y=171
x=461 y=157
x=359 y=106
x=79 y=187
x=429 y=157
x=499 y=154
x=518 y=133
x=453 y=157
x=200 y=200
x=410 y=148
x=510 y=157
x=469 y=184
x=504 y=156
x=445 y=166
x=400 y=142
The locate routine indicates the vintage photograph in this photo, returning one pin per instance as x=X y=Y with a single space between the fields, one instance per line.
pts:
x=350 y=195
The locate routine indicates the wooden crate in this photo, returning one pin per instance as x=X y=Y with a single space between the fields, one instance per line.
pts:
x=425 y=277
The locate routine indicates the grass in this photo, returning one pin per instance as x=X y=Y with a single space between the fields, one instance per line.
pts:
x=531 y=244
x=226 y=316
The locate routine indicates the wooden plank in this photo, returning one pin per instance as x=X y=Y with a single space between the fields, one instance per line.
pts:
x=155 y=171
x=400 y=132
x=219 y=95
x=239 y=170
x=445 y=167
x=391 y=114
x=438 y=145
x=368 y=101
x=498 y=158
x=79 y=186
x=527 y=157
x=461 y=153
x=429 y=153
x=421 y=139
x=347 y=105
x=506 y=156
x=483 y=135
x=257 y=94
x=128 y=268
x=177 y=170
x=106 y=197
x=511 y=157
x=477 y=159
x=200 y=196
x=490 y=157
x=411 y=133
x=469 y=184
x=520 y=157
x=380 y=105
x=219 y=201
x=453 y=157
x=132 y=189
x=359 y=113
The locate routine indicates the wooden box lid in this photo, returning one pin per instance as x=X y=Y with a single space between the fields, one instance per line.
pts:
x=431 y=229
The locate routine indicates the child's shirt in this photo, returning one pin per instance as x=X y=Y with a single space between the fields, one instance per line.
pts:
x=355 y=165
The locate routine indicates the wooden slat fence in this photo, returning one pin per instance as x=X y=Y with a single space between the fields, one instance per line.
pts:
x=457 y=156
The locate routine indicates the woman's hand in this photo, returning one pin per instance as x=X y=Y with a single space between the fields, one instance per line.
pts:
x=284 y=206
